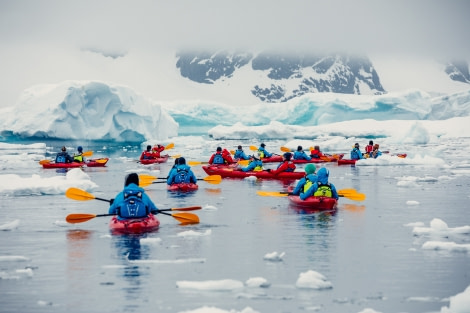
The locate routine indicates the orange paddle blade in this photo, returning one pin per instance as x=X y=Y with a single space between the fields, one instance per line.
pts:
x=44 y=162
x=78 y=194
x=285 y=149
x=87 y=153
x=169 y=146
x=79 y=218
x=185 y=218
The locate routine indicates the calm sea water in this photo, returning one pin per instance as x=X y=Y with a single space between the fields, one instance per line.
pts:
x=364 y=248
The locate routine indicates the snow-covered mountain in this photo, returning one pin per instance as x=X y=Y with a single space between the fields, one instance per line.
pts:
x=280 y=77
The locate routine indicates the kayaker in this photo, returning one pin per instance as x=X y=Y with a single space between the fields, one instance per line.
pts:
x=322 y=188
x=132 y=201
x=182 y=173
x=63 y=156
x=356 y=154
x=307 y=181
x=315 y=153
x=221 y=157
x=285 y=166
x=301 y=155
x=240 y=154
x=263 y=153
x=255 y=164
x=78 y=157
x=147 y=154
x=369 y=147
x=156 y=150
x=375 y=152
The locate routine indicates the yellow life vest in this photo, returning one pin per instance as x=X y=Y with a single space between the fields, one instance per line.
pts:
x=323 y=191
x=307 y=185
x=78 y=158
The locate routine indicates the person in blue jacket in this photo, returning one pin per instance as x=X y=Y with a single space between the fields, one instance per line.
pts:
x=356 y=154
x=375 y=152
x=255 y=164
x=132 y=201
x=301 y=155
x=63 y=156
x=263 y=153
x=307 y=181
x=240 y=154
x=181 y=173
x=322 y=188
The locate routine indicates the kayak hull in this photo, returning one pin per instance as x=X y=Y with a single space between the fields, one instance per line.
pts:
x=62 y=165
x=182 y=187
x=90 y=163
x=134 y=226
x=314 y=203
x=97 y=162
x=346 y=161
x=232 y=173
x=162 y=159
x=323 y=159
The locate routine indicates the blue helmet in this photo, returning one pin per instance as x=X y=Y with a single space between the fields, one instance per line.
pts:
x=80 y=149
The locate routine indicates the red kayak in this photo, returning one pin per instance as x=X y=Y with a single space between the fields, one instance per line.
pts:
x=90 y=163
x=314 y=203
x=323 y=159
x=182 y=187
x=161 y=159
x=97 y=162
x=134 y=226
x=230 y=172
x=350 y=161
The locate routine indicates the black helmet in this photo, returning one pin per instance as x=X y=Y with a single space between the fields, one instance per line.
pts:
x=219 y=149
x=239 y=147
x=288 y=156
x=149 y=147
x=131 y=178
x=299 y=148
x=263 y=145
x=181 y=161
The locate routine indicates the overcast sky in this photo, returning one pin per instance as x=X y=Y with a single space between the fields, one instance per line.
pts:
x=436 y=28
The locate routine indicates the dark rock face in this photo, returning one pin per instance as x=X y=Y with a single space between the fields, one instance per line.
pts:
x=283 y=77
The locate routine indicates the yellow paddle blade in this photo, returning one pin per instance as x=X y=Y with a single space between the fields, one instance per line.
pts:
x=272 y=193
x=78 y=194
x=352 y=194
x=176 y=156
x=192 y=163
x=147 y=177
x=253 y=148
x=169 y=146
x=87 y=153
x=186 y=218
x=243 y=162
x=101 y=160
x=232 y=152
x=44 y=162
x=285 y=149
x=213 y=178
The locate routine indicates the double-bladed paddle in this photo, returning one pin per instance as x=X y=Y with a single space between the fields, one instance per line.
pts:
x=146 y=180
x=82 y=195
x=351 y=194
x=85 y=154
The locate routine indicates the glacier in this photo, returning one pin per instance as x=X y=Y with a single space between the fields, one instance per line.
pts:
x=90 y=110
x=95 y=110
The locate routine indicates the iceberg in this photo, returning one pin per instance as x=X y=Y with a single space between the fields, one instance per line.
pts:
x=90 y=110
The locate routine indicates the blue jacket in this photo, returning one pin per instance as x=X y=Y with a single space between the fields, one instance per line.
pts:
x=323 y=174
x=265 y=153
x=254 y=163
x=301 y=155
x=119 y=200
x=240 y=154
x=356 y=154
x=66 y=158
x=174 y=177
x=300 y=185
x=377 y=154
